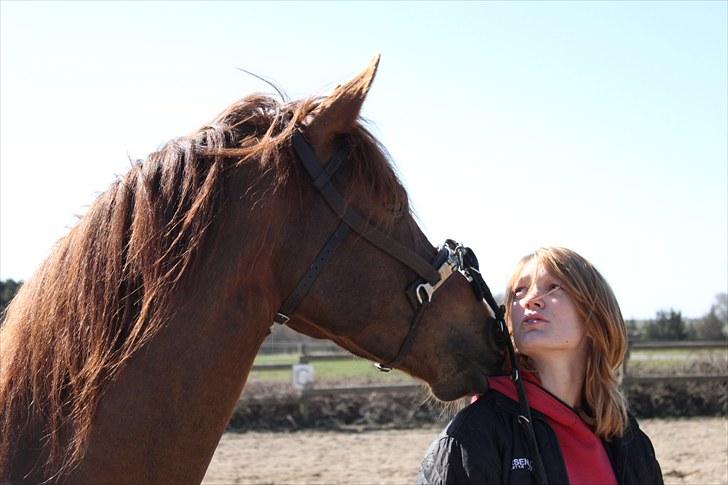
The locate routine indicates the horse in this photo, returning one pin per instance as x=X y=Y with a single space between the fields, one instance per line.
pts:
x=123 y=356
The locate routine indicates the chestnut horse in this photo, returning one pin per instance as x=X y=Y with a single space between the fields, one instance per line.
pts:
x=122 y=358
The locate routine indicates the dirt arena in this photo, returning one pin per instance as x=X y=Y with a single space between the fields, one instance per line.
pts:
x=689 y=450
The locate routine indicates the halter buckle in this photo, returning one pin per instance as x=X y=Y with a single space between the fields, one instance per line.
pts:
x=425 y=290
x=281 y=318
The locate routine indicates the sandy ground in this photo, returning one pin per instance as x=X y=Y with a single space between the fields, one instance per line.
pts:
x=689 y=450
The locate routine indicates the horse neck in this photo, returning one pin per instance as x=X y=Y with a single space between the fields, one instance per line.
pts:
x=162 y=419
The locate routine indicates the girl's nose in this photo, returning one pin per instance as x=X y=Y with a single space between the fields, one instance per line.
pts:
x=534 y=300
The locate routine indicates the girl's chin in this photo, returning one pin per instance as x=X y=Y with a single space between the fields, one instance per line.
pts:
x=532 y=342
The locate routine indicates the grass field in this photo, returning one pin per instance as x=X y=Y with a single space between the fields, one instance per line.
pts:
x=657 y=362
x=360 y=371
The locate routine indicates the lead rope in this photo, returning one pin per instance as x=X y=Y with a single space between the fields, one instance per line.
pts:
x=524 y=417
x=472 y=273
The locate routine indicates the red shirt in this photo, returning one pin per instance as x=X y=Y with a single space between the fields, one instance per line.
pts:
x=584 y=455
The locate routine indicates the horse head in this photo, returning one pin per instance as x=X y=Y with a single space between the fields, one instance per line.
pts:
x=359 y=296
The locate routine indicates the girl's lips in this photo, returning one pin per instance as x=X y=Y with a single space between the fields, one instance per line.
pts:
x=533 y=319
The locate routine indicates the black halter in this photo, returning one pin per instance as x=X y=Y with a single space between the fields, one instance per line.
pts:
x=451 y=258
x=432 y=275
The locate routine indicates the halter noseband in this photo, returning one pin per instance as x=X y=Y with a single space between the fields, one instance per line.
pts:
x=451 y=258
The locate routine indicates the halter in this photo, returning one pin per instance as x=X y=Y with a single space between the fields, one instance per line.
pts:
x=451 y=258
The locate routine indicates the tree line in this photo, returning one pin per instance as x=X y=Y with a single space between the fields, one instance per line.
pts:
x=670 y=324
x=666 y=325
x=8 y=289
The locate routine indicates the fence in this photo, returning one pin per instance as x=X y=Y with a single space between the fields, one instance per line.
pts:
x=680 y=345
x=295 y=347
x=312 y=353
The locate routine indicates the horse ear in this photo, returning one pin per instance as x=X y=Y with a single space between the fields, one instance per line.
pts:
x=338 y=113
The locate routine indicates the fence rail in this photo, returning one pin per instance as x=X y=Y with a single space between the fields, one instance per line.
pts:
x=308 y=358
x=680 y=345
x=674 y=379
x=293 y=347
x=325 y=391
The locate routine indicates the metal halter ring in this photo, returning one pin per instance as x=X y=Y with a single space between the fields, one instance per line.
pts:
x=428 y=291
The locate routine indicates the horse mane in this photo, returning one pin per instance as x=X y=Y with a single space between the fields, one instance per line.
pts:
x=109 y=285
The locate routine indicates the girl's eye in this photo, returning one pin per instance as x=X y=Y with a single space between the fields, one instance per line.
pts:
x=519 y=291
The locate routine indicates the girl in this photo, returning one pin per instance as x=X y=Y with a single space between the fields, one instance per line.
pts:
x=571 y=341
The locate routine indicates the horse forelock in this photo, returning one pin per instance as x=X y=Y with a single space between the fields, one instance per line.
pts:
x=110 y=284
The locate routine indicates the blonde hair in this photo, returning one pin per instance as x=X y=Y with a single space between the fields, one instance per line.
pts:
x=603 y=405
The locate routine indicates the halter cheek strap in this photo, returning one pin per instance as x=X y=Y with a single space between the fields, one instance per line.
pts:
x=283 y=315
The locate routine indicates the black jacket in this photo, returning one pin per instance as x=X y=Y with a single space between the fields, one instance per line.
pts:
x=484 y=444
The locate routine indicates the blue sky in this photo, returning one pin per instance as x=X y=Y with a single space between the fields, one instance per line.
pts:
x=600 y=126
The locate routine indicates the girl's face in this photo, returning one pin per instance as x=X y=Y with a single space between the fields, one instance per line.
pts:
x=543 y=316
